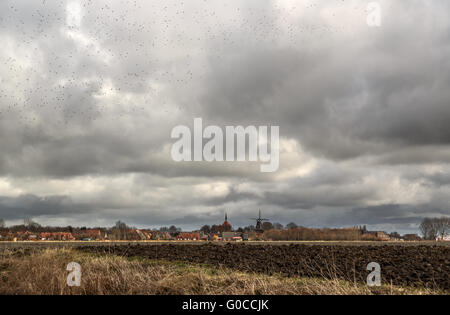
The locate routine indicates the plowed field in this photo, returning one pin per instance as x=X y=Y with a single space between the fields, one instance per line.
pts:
x=421 y=266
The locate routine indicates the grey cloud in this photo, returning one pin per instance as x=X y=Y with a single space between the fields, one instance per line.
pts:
x=368 y=106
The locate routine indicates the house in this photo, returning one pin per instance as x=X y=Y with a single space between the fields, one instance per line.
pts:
x=145 y=235
x=56 y=236
x=233 y=236
x=158 y=235
x=382 y=236
x=373 y=235
x=443 y=238
x=188 y=237
x=228 y=236
x=133 y=235
x=25 y=236
x=89 y=234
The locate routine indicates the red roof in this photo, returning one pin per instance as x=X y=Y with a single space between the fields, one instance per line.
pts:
x=188 y=236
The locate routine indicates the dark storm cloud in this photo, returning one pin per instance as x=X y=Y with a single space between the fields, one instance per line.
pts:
x=26 y=206
x=379 y=93
x=393 y=214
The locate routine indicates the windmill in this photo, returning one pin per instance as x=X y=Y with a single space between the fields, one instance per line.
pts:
x=259 y=221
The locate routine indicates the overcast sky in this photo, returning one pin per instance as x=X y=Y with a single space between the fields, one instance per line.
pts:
x=90 y=91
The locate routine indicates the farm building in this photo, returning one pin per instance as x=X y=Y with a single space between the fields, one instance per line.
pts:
x=379 y=235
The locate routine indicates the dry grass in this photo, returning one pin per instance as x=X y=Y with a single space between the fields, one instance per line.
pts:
x=44 y=272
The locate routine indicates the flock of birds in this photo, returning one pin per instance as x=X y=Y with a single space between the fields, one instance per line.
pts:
x=53 y=72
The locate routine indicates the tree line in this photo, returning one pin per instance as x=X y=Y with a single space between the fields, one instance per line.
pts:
x=431 y=228
x=307 y=234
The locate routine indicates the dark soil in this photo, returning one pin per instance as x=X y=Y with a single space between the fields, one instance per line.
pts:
x=419 y=266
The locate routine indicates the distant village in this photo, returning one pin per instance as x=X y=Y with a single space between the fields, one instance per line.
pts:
x=263 y=230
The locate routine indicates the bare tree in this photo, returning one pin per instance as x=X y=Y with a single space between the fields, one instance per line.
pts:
x=267 y=226
x=442 y=226
x=428 y=229
x=121 y=225
x=278 y=226
x=434 y=227
x=291 y=225
x=206 y=229
x=174 y=231
x=29 y=223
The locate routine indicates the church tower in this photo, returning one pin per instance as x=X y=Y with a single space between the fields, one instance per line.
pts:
x=226 y=226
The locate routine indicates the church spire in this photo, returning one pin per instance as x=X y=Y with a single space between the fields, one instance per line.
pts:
x=226 y=217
